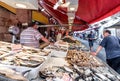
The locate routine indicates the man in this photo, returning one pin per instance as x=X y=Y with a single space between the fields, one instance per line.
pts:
x=31 y=36
x=52 y=35
x=91 y=38
x=112 y=49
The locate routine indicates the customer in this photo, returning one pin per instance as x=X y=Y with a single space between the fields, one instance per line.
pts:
x=112 y=49
x=52 y=35
x=31 y=36
x=91 y=38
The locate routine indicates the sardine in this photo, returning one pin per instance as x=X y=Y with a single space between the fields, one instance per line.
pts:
x=102 y=77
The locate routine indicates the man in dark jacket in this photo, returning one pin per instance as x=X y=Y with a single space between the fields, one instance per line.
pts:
x=91 y=38
x=112 y=49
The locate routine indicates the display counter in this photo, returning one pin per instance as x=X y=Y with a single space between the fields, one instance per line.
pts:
x=63 y=61
x=75 y=65
x=25 y=60
x=7 y=74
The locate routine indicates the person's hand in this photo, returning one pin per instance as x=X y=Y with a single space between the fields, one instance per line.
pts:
x=51 y=43
x=93 y=53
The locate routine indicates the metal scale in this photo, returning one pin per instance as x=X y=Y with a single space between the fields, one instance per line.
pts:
x=13 y=30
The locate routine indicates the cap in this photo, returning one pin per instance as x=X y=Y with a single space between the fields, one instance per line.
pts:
x=33 y=23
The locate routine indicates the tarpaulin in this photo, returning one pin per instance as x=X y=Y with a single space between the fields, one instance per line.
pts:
x=89 y=11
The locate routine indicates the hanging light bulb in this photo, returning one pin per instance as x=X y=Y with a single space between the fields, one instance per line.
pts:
x=60 y=2
x=42 y=10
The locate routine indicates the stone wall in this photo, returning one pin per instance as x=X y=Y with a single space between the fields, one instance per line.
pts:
x=22 y=15
x=4 y=16
x=8 y=18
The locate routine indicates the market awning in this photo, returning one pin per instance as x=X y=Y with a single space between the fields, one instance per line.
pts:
x=13 y=10
x=88 y=11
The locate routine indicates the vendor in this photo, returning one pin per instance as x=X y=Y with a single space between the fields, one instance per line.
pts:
x=31 y=36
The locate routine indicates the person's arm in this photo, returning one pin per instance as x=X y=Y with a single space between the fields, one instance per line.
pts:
x=102 y=44
x=39 y=36
x=45 y=40
x=97 y=51
x=118 y=39
x=88 y=37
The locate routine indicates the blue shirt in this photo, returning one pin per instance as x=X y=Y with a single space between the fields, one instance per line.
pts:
x=92 y=36
x=112 y=46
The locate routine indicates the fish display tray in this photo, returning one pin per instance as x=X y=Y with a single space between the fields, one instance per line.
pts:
x=26 y=60
x=58 y=64
x=56 y=69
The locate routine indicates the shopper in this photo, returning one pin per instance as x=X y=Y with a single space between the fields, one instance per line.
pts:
x=31 y=36
x=112 y=49
x=84 y=34
x=46 y=34
x=59 y=35
x=52 y=35
x=91 y=38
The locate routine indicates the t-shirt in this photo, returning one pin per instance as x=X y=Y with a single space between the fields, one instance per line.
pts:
x=30 y=37
x=52 y=33
x=112 y=46
x=91 y=36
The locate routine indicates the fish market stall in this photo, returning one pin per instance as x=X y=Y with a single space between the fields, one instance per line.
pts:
x=76 y=65
x=66 y=60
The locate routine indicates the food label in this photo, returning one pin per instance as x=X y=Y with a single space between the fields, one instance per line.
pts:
x=16 y=47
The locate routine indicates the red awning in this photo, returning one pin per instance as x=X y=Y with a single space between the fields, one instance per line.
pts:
x=89 y=11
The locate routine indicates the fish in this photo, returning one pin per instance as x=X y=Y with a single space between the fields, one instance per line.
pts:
x=111 y=77
x=8 y=74
x=102 y=77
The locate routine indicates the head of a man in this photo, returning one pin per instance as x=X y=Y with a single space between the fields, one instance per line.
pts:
x=33 y=24
x=91 y=32
x=106 y=33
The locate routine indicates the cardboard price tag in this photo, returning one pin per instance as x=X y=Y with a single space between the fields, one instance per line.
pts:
x=66 y=77
x=16 y=47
